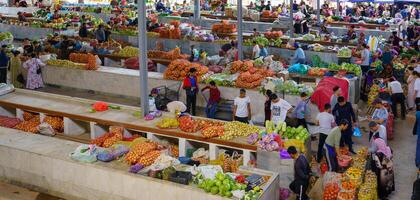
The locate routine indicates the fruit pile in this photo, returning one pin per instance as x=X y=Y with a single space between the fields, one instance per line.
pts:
x=349 y=67
x=178 y=69
x=299 y=133
x=315 y=71
x=222 y=185
x=269 y=14
x=149 y=158
x=168 y=123
x=368 y=190
x=57 y=123
x=127 y=52
x=30 y=125
x=373 y=93
x=331 y=191
x=223 y=28
x=205 y=123
x=213 y=131
x=273 y=34
x=188 y=124
x=65 y=64
x=355 y=175
x=138 y=150
x=170 y=55
x=253 y=77
x=240 y=66
x=235 y=129
x=106 y=140
x=87 y=58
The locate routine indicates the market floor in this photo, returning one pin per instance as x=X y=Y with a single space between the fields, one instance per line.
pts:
x=403 y=144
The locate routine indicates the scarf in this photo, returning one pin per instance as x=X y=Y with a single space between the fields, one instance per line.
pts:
x=382 y=147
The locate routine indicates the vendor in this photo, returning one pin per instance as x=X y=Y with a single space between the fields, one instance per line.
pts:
x=83 y=32
x=351 y=33
x=100 y=34
x=344 y=110
x=38 y=48
x=66 y=47
x=378 y=129
x=332 y=145
x=302 y=174
x=299 y=56
x=56 y=15
x=395 y=40
x=279 y=109
x=21 y=17
x=386 y=56
x=263 y=51
x=323 y=28
x=27 y=47
x=190 y=85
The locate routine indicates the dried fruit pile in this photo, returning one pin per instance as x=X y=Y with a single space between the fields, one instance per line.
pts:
x=178 y=69
x=139 y=150
x=205 y=123
x=57 y=123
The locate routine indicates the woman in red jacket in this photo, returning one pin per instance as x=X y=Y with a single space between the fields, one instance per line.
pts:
x=190 y=85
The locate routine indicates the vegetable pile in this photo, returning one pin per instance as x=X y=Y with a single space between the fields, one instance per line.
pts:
x=223 y=28
x=235 y=129
x=170 y=55
x=253 y=77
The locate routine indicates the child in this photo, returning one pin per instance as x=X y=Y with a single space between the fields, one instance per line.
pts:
x=301 y=110
x=242 y=107
x=214 y=99
x=190 y=85
x=279 y=109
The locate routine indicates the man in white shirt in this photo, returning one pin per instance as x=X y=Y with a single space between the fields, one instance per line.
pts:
x=279 y=108
x=417 y=90
x=376 y=129
x=242 y=107
x=256 y=50
x=325 y=121
x=397 y=97
x=365 y=59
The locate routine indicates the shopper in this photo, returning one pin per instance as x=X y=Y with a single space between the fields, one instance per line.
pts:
x=325 y=121
x=411 y=96
x=386 y=56
x=365 y=57
x=100 y=34
x=380 y=115
x=332 y=145
x=267 y=106
x=279 y=109
x=376 y=128
x=417 y=89
x=263 y=51
x=397 y=97
x=416 y=131
x=4 y=63
x=383 y=166
x=213 y=101
x=351 y=34
x=334 y=97
x=379 y=146
x=83 y=32
x=190 y=85
x=16 y=75
x=302 y=174
x=256 y=50
x=242 y=107
x=33 y=66
x=301 y=110
x=38 y=47
x=299 y=56
x=344 y=110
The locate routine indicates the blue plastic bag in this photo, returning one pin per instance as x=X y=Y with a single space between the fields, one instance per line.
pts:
x=357 y=132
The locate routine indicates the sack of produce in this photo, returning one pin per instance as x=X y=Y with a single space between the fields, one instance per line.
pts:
x=9 y=122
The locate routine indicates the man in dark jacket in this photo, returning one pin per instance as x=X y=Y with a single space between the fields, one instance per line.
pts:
x=344 y=110
x=4 y=63
x=302 y=174
x=190 y=85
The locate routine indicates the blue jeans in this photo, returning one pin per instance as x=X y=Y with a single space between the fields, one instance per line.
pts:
x=211 y=109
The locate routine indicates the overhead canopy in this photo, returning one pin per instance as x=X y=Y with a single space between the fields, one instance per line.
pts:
x=384 y=1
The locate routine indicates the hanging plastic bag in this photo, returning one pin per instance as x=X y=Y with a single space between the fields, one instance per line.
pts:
x=357 y=132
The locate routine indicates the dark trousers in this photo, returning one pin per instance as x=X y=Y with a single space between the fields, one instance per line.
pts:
x=191 y=101
x=417 y=101
x=331 y=156
x=321 y=142
x=299 y=187
x=3 y=74
x=346 y=138
x=398 y=98
x=242 y=119
x=302 y=122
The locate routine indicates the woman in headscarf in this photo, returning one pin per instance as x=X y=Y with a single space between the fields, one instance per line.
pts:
x=383 y=167
x=16 y=70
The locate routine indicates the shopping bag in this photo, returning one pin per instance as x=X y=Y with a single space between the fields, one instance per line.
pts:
x=316 y=192
x=357 y=132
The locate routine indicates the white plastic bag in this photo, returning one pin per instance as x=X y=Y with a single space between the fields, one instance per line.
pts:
x=46 y=129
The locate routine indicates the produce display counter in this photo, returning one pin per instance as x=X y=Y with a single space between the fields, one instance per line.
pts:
x=373 y=32
x=104 y=16
x=40 y=162
x=126 y=82
x=21 y=32
x=364 y=25
x=15 y=10
x=78 y=120
x=212 y=48
x=105 y=58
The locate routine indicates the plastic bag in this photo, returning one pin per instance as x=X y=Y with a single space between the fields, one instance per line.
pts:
x=46 y=129
x=105 y=156
x=85 y=153
x=357 y=132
